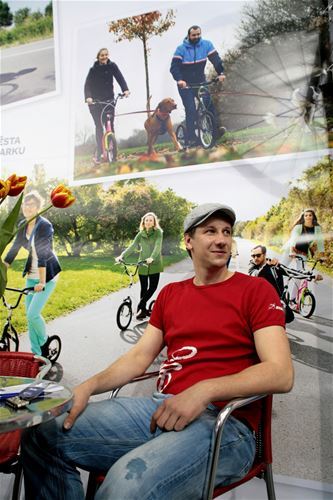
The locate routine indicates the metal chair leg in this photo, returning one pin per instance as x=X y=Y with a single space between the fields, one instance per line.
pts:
x=268 y=476
x=18 y=481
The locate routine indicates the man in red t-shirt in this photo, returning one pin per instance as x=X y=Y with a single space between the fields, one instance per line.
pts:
x=225 y=338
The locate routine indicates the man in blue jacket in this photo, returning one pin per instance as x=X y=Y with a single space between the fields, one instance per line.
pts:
x=188 y=67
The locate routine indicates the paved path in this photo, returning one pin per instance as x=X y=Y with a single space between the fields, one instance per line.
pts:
x=27 y=70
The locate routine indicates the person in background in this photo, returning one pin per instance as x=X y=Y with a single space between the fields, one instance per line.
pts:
x=306 y=240
x=99 y=87
x=188 y=68
x=41 y=268
x=148 y=242
x=266 y=268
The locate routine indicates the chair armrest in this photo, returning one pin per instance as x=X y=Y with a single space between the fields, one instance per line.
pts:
x=43 y=370
x=140 y=378
x=221 y=419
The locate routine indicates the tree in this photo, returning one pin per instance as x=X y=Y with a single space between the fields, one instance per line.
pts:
x=21 y=15
x=143 y=27
x=267 y=18
x=48 y=10
x=6 y=17
x=81 y=228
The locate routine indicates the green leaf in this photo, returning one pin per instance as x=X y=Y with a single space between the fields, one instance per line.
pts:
x=8 y=228
x=3 y=277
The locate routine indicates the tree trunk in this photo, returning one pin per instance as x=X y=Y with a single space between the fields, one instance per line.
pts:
x=145 y=52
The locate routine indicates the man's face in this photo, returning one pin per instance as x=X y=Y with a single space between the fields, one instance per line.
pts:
x=194 y=35
x=257 y=256
x=210 y=244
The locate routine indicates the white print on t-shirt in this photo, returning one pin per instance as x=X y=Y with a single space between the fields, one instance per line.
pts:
x=172 y=365
x=274 y=306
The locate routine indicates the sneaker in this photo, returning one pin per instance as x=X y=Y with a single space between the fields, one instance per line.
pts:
x=96 y=161
x=141 y=314
x=45 y=349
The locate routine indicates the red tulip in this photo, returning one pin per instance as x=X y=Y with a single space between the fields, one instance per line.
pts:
x=62 y=197
x=4 y=189
x=17 y=184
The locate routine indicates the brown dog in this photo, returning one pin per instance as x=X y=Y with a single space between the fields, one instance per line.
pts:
x=160 y=122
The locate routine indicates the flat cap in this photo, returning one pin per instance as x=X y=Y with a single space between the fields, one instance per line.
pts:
x=203 y=212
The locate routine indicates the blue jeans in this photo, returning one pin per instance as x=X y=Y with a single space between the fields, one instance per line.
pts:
x=113 y=435
x=34 y=304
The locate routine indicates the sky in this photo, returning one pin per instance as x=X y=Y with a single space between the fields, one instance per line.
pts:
x=31 y=4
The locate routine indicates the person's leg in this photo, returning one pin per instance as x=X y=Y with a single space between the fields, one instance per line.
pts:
x=173 y=465
x=152 y=286
x=36 y=324
x=187 y=96
x=104 y=432
x=143 y=291
x=95 y=110
x=295 y=283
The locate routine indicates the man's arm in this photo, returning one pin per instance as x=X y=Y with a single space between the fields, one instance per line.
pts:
x=274 y=374
x=119 y=373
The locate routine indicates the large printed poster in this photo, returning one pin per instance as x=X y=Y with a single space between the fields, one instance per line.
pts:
x=261 y=143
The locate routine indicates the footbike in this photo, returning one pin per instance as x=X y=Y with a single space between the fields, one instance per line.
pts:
x=109 y=142
x=126 y=309
x=206 y=127
x=305 y=302
x=9 y=339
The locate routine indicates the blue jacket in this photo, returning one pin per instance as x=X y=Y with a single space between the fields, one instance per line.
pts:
x=43 y=237
x=189 y=61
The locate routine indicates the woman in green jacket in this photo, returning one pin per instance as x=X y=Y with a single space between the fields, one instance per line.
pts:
x=148 y=242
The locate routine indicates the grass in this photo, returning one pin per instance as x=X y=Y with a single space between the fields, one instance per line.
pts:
x=82 y=281
x=246 y=143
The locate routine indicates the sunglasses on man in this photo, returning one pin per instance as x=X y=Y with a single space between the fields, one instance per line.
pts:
x=254 y=255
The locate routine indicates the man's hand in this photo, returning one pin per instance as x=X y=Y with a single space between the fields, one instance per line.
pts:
x=126 y=93
x=182 y=84
x=272 y=262
x=89 y=100
x=81 y=397
x=221 y=78
x=176 y=412
x=149 y=260
x=118 y=259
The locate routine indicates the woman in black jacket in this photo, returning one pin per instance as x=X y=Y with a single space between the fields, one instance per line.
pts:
x=41 y=268
x=99 y=87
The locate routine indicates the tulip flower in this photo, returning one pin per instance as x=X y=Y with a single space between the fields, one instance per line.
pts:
x=62 y=197
x=4 y=189
x=17 y=184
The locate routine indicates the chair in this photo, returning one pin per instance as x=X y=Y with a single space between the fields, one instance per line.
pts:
x=20 y=364
x=262 y=465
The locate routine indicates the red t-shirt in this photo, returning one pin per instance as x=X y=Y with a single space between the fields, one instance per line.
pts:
x=208 y=331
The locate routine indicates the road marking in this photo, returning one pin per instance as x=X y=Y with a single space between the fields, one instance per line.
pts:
x=27 y=52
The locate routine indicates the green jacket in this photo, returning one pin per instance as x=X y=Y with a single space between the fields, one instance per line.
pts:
x=149 y=244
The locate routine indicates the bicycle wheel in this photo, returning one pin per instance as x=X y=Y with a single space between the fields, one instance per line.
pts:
x=9 y=340
x=307 y=304
x=150 y=307
x=111 y=148
x=207 y=129
x=124 y=315
x=181 y=135
x=54 y=347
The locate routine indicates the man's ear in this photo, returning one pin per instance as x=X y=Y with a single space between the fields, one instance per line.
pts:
x=188 y=241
